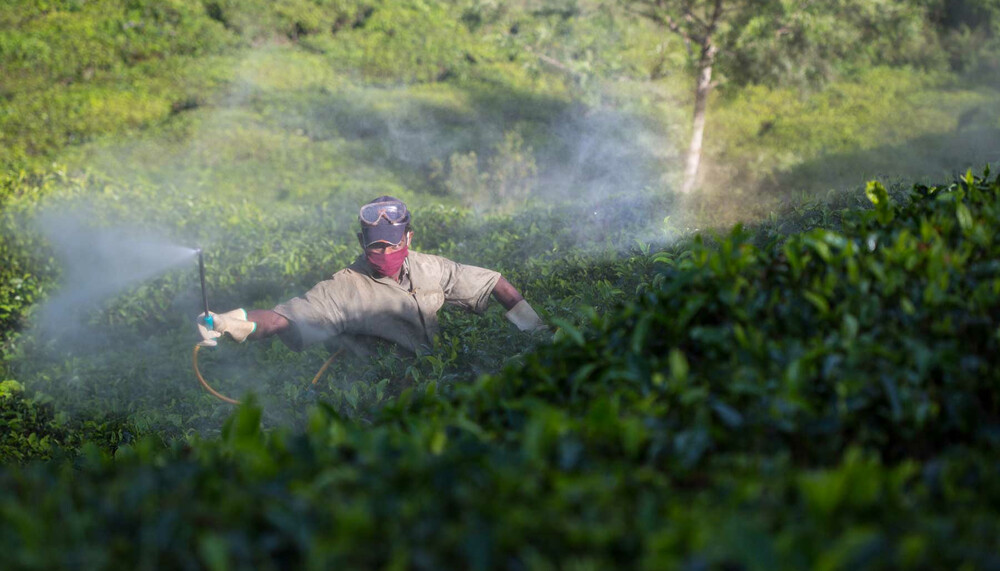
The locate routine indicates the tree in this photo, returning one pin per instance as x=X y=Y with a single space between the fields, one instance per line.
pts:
x=773 y=41
x=697 y=22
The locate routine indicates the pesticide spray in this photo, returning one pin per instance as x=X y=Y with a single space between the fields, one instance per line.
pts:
x=97 y=263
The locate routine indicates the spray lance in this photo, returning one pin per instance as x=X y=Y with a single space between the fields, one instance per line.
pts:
x=209 y=322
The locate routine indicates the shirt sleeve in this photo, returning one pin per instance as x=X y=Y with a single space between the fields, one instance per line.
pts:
x=315 y=316
x=468 y=287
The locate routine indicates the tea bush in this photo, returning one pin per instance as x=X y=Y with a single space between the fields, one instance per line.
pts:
x=822 y=399
x=817 y=390
x=88 y=362
x=32 y=430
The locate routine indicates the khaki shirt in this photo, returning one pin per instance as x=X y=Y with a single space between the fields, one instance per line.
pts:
x=354 y=306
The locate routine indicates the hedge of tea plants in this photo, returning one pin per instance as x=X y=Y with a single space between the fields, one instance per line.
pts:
x=827 y=400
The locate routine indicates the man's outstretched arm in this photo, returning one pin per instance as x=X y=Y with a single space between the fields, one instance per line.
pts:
x=506 y=294
x=269 y=323
x=518 y=311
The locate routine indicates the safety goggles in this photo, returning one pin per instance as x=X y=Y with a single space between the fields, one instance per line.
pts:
x=394 y=212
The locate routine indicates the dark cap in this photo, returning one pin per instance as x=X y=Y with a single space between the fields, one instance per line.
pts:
x=383 y=232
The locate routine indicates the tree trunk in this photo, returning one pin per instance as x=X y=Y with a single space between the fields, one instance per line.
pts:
x=702 y=91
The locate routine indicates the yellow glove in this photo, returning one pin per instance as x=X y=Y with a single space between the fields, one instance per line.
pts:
x=524 y=317
x=232 y=322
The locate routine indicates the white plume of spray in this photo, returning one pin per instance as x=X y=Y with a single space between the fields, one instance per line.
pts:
x=603 y=165
x=614 y=175
x=98 y=263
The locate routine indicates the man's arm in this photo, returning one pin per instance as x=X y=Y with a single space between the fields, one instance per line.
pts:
x=269 y=323
x=518 y=311
x=506 y=294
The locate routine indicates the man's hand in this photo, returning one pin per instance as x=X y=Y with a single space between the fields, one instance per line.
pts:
x=524 y=317
x=232 y=322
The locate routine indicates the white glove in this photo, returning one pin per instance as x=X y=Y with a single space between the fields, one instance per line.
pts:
x=525 y=318
x=232 y=322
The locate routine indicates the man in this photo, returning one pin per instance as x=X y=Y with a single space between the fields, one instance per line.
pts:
x=388 y=293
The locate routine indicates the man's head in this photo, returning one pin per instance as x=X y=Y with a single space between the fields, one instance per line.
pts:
x=385 y=233
x=385 y=221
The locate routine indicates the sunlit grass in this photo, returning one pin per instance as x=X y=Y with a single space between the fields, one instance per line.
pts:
x=884 y=123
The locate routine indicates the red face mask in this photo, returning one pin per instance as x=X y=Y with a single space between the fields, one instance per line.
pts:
x=387 y=264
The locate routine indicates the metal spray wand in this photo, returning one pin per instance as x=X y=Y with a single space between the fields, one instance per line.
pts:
x=209 y=322
x=204 y=294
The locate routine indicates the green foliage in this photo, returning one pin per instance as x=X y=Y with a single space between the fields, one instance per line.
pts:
x=28 y=431
x=509 y=180
x=805 y=44
x=821 y=399
x=80 y=70
x=23 y=273
x=970 y=32
x=256 y=259
x=31 y=430
x=851 y=338
x=752 y=400
x=77 y=70
x=403 y=42
x=75 y=41
x=895 y=124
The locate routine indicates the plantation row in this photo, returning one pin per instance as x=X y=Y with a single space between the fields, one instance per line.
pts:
x=827 y=399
